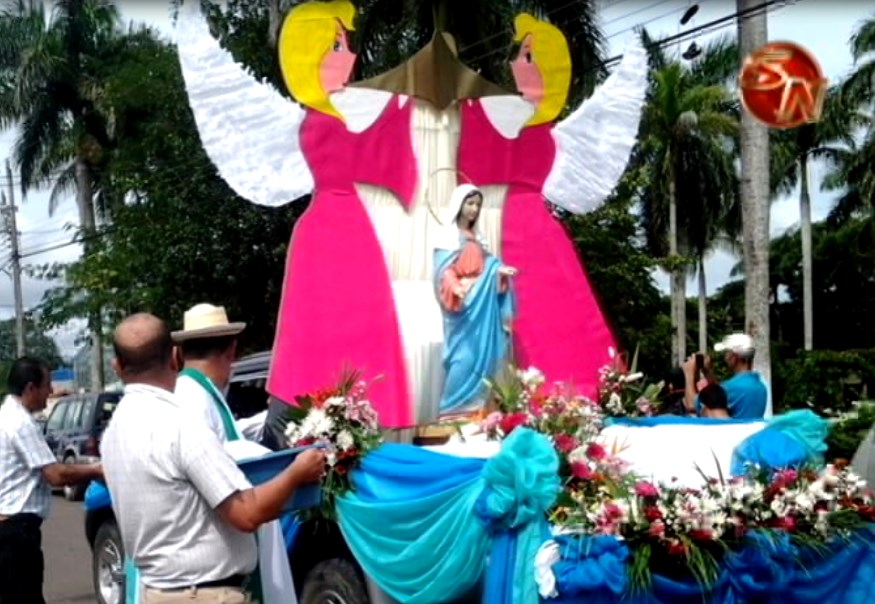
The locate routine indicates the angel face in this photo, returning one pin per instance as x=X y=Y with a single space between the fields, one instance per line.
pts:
x=529 y=80
x=470 y=210
x=336 y=68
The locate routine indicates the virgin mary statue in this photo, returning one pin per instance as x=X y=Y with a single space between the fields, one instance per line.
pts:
x=473 y=288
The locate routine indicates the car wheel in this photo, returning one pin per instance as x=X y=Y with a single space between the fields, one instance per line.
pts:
x=73 y=492
x=334 y=581
x=108 y=565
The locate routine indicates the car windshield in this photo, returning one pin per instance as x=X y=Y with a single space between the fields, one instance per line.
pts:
x=106 y=406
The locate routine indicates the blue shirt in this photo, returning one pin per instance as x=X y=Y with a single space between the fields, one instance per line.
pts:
x=746 y=394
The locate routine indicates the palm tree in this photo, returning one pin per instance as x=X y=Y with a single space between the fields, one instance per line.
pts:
x=755 y=201
x=792 y=152
x=860 y=86
x=54 y=92
x=686 y=146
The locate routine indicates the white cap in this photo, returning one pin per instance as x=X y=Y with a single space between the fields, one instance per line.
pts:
x=737 y=343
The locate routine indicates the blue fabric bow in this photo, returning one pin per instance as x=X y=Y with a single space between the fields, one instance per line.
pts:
x=450 y=515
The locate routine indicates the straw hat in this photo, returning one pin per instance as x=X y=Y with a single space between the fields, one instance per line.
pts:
x=737 y=343
x=206 y=321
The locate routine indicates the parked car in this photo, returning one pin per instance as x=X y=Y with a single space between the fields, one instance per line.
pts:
x=74 y=428
x=321 y=562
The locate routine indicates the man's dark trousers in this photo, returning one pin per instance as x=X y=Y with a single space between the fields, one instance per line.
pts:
x=21 y=560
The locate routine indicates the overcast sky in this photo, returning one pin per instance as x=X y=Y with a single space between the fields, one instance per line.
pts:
x=824 y=27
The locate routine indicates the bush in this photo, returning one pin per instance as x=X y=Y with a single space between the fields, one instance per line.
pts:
x=821 y=380
x=848 y=432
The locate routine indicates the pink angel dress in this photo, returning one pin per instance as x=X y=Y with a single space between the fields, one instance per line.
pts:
x=337 y=310
x=560 y=328
x=337 y=307
x=575 y=163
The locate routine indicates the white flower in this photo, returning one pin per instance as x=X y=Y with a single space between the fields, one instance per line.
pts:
x=317 y=423
x=632 y=377
x=615 y=403
x=547 y=556
x=336 y=401
x=345 y=440
x=531 y=377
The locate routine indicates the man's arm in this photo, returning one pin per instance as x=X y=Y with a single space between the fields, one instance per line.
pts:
x=249 y=509
x=64 y=474
x=32 y=447
x=222 y=484
x=690 y=392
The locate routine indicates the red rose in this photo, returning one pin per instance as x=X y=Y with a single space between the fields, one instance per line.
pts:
x=652 y=513
x=565 y=443
x=596 y=452
x=646 y=489
x=701 y=535
x=511 y=422
x=581 y=471
x=676 y=548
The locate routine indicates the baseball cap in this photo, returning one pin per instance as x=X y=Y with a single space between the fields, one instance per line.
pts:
x=738 y=343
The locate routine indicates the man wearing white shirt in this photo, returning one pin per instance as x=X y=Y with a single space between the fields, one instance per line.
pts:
x=28 y=469
x=183 y=506
x=208 y=342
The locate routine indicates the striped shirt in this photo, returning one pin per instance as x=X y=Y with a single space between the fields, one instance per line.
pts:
x=23 y=455
x=167 y=474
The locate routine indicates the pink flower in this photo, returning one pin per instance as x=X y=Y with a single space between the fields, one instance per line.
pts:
x=786 y=477
x=581 y=471
x=596 y=452
x=646 y=489
x=492 y=421
x=657 y=529
x=565 y=443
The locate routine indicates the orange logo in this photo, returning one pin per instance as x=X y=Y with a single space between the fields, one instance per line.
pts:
x=782 y=85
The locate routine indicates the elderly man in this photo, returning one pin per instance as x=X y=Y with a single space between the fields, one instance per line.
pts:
x=185 y=510
x=208 y=342
x=746 y=392
x=27 y=470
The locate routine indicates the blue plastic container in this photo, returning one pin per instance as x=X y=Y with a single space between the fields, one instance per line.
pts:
x=261 y=469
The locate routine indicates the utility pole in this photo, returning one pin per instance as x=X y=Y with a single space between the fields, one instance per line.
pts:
x=8 y=212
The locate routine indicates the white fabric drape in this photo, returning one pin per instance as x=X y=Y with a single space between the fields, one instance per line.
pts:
x=408 y=239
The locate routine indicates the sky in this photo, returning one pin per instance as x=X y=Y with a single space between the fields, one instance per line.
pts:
x=822 y=26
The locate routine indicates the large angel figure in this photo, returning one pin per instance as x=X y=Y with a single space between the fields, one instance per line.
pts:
x=575 y=164
x=337 y=307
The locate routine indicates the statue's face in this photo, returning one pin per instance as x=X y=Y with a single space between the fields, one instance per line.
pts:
x=337 y=65
x=470 y=209
x=526 y=74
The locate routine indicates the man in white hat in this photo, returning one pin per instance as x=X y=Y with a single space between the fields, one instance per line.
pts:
x=208 y=342
x=746 y=391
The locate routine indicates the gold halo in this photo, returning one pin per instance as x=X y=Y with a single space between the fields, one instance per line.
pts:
x=428 y=188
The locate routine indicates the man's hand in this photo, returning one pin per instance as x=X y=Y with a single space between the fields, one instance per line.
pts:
x=690 y=367
x=309 y=465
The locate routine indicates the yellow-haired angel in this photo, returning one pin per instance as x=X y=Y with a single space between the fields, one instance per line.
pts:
x=337 y=305
x=574 y=164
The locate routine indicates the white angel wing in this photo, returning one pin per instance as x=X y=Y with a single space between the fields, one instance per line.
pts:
x=594 y=142
x=250 y=131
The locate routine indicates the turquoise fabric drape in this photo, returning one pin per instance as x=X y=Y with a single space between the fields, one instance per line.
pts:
x=422 y=524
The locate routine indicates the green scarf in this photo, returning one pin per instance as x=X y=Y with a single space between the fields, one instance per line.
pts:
x=231 y=432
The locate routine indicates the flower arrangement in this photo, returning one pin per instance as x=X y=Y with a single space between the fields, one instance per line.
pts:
x=669 y=529
x=622 y=391
x=342 y=420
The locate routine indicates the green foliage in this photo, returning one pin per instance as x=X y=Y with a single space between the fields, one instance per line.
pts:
x=828 y=382
x=848 y=432
x=36 y=342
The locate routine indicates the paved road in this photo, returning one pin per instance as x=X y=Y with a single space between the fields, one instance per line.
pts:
x=68 y=557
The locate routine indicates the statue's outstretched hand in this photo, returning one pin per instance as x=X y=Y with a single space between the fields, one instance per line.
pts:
x=508 y=271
